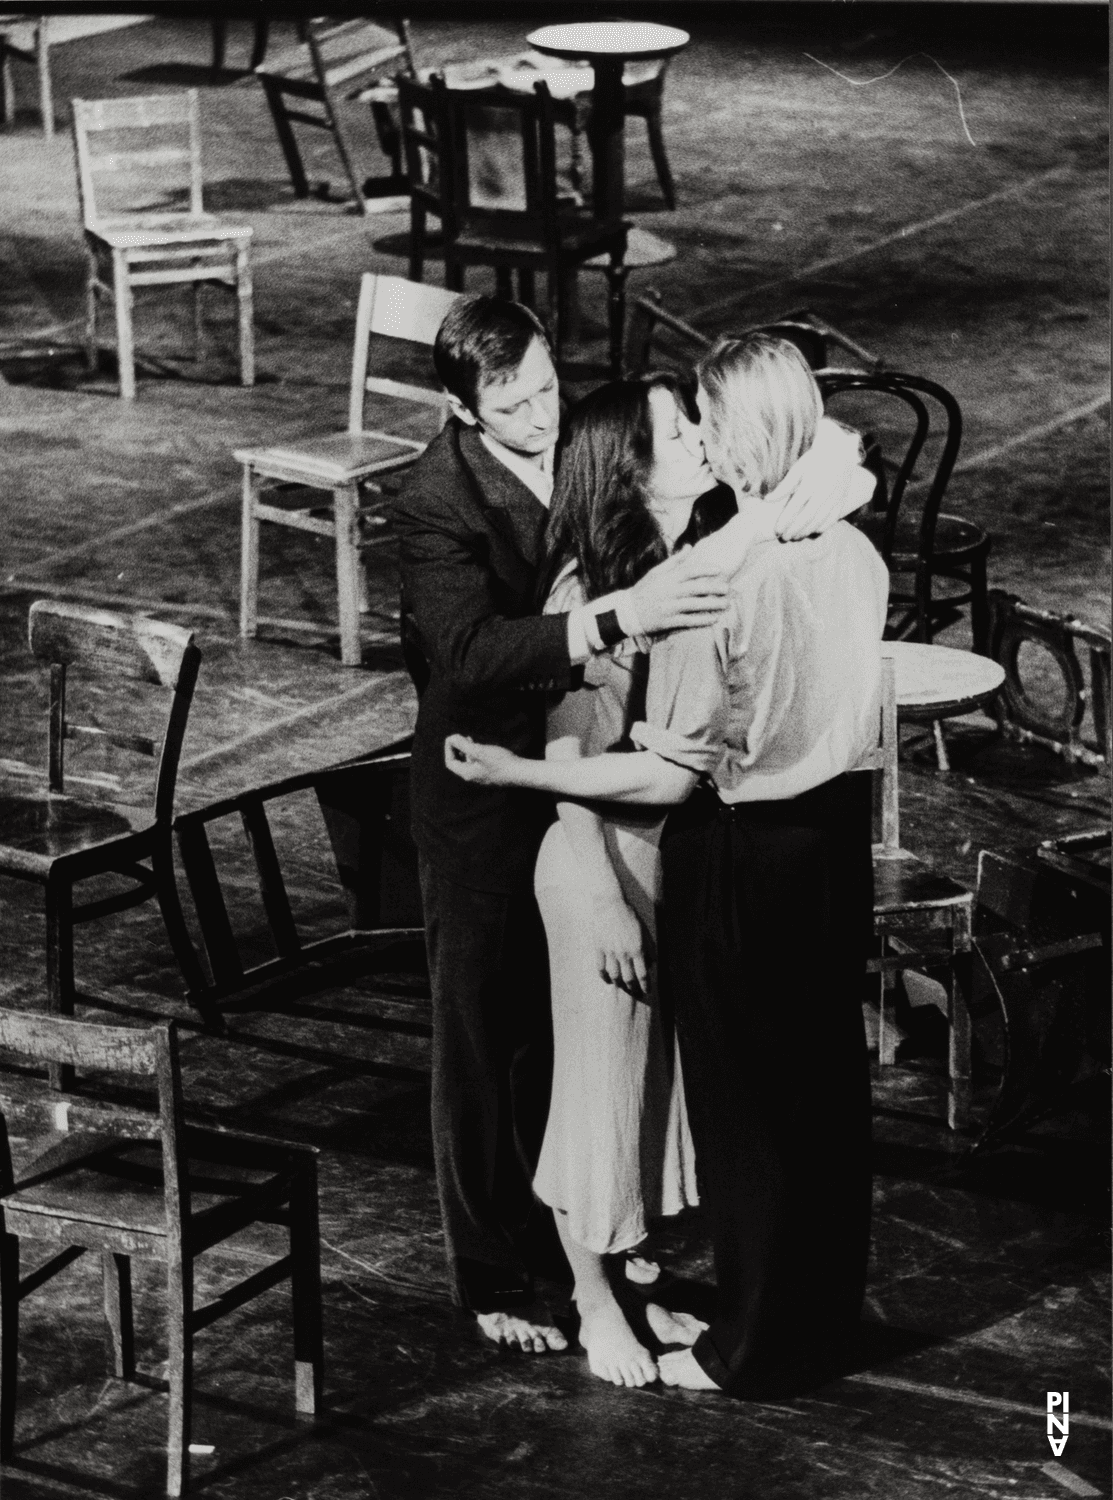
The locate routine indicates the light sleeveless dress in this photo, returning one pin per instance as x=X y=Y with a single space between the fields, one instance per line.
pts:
x=617 y=1149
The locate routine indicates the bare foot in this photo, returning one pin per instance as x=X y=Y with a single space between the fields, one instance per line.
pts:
x=531 y=1329
x=613 y=1353
x=673 y=1327
x=639 y=1270
x=681 y=1369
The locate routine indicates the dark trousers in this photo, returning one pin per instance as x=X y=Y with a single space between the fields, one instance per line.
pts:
x=767 y=914
x=492 y=1073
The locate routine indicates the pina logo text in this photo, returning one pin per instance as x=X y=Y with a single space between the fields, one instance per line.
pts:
x=1058 y=1401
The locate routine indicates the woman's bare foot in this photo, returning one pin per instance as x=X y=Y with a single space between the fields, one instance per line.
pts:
x=681 y=1369
x=673 y=1327
x=531 y=1329
x=613 y=1353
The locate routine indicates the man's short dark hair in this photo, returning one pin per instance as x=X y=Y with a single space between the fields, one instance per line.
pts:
x=482 y=341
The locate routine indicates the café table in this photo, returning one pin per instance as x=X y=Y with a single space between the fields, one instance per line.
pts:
x=608 y=46
x=937 y=682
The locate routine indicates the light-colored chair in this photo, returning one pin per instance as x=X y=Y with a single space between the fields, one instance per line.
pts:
x=28 y=39
x=922 y=920
x=343 y=463
x=137 y=231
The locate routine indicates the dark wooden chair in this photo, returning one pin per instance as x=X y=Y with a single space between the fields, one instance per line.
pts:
x=922 y=920
x=900 y=411
x=58 y=839
x=487 y=159
x=144 y=1185
x=334 y=61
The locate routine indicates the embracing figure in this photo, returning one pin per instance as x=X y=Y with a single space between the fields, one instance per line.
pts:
x=751 y=727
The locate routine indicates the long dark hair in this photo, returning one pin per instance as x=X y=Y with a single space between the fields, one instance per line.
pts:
x=600 y=517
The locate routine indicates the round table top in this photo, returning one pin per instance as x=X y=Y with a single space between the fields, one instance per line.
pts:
x=938 y=681
x=609 y=39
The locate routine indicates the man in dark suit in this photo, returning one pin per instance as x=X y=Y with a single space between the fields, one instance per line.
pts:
x=470 y=520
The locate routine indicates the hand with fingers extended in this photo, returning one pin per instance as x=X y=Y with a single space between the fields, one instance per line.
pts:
x=619 y=944
x=824 y=484
x=683 y=591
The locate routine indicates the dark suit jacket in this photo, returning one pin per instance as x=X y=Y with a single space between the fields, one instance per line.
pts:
x=470 y=540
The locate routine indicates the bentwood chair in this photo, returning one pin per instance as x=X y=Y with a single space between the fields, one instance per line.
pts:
x=87 y=820
x=916 y=539
x=137 y=160
x=126 y=1183
x=346 y=464
x=922 y=920
x=484 y=160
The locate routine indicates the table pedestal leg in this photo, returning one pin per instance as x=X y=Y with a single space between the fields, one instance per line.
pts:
x=605 y=133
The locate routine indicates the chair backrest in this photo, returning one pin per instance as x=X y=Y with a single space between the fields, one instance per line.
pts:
x=503 y=157
x=424 y=133
x=128 y=647
x=338 y=50
x=883 y=760
x=392 y=307
x=897 y=398
x=146 y=149
x=151 y=1052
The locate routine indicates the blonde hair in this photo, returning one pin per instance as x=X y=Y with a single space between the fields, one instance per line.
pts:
x=763 y=409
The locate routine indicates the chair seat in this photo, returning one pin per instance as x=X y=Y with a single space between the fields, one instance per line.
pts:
x=339 y=459
x=39 y=829
x=955 y=539
x=147 y=230
x=119 y=1185
x=578 y=236
x=904 y=884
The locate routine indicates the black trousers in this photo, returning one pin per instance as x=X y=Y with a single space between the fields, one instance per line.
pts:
x=767 y=915
x=492 y=1074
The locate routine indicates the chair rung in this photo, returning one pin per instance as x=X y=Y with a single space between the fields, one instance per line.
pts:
x=242 y=1292
x=48 y=1269
x=183 y=277
x=296 y=519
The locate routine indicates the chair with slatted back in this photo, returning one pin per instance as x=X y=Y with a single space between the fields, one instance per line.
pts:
x=333 y=62
x=346 y=464
x=138 y=161
x=499 y=199
x=126 y=1183
x=58 y=839
x=922 y=920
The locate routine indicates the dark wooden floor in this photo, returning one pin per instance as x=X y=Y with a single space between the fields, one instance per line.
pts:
x=976 y=258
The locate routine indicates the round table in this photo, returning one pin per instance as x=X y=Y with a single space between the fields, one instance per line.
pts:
x=608 y=46
x=938 y=682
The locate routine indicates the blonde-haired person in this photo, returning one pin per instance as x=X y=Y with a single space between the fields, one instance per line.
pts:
x=753 y=724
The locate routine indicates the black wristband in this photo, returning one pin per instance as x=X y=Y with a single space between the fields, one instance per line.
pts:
x=610 y=631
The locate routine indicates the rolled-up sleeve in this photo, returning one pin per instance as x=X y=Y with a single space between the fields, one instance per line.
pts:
x=687 y=702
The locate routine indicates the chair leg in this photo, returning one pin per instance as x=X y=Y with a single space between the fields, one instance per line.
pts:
x=305 y=1290
x=886 y=1033
x=198 y=321
x=942 y=760
x=166 y=893
x=979 y=605
x=616 y=315
x=7 y=96
x=453 y=274
x=179 y=1318
x=504 y=285
x=46 y=88
x=286 y=138
x=345 y=506
x=959 y=983
x=259 y=44
x=60 y=990
x=220 y=39
x=527 y=286
x=9 y=1340
x=91 y=353
x=120 y=1343
x=660 y=160
x=245 y=299
x=417 y=241
x=249 y=555
x=125 y=339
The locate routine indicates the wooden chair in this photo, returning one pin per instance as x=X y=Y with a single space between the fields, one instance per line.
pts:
x=921 y=920
x=494 y=158
x=145 y=245
x=343 y=463
x=929 y=544
x=126 y=1184
x=57 y=839
x=333 y=62
x=28 y=38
